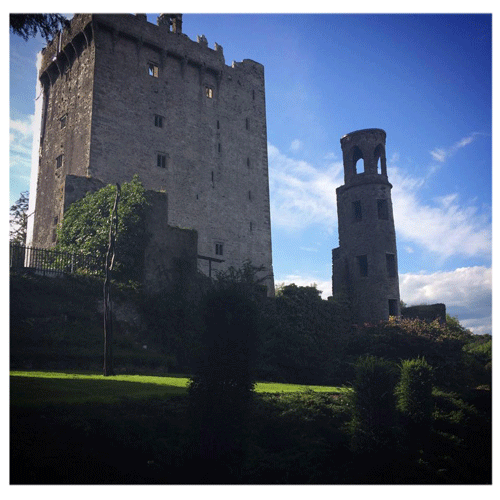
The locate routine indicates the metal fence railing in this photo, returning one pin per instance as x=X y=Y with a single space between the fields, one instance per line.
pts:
x=53 y=261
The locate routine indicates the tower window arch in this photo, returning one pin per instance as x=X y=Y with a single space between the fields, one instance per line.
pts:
x=379 y=159
x=356 y=155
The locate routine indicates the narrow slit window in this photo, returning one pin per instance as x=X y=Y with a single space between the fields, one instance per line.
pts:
x=209 y=92
x=356 y=210
x=59 y=161
x=363 y=265
x=218 y=125
x=218 y=147
x=247 y=123
x=153 y=70
x=158 y=121
x=383 y=210
x=63 y=120
x=391 y=264
x=248 y=162
x=161 y=160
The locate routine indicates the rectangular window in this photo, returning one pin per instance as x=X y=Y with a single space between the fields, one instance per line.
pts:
x=362 y=265
x=161 y=160
x=383 y=210
x=391 y=264
x=218 y=147
x=158 y=121
x=153 y=70
x=63 y=120
x=219 y=249
x=356 y=210
x=209 y=92
x=393 y=307
x=59 y=161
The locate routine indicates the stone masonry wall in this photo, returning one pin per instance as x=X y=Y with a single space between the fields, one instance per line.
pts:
x=151 y=93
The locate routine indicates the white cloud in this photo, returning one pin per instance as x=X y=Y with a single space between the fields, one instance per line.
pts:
x=439 y=154
x=466 y=292
x=296 y=145
x=446 y=227
x=302 y=195
x=24 y=127
x=21 y=134
x=442 y=154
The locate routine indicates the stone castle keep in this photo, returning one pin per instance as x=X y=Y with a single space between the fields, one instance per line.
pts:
x=365 y=266
x=121 y=96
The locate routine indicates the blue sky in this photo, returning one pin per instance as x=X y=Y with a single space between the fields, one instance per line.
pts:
x=426 y=79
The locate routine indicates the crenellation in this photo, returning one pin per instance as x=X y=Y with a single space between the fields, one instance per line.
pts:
x=140 y=98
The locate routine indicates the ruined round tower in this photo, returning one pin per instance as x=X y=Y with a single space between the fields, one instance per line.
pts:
x=364 y=266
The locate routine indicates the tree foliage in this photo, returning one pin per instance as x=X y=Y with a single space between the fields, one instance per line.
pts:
x=306 y=337
x=19 y=219
x=85 y=227
x=222 y=386
x=28 y=25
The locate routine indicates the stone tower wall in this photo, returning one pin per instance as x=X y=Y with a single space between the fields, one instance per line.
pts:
x=365 y=264
x=66 y=77
x=150 y=93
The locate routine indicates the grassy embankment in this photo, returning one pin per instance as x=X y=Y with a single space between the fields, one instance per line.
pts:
x=39 y=388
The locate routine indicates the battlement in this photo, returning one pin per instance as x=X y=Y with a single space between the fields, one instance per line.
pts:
x=166 y=38
x=367 y=145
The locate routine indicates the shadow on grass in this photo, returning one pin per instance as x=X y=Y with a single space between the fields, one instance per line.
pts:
x=34 y=391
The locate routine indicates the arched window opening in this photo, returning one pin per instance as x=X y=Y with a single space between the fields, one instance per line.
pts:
x=357 y=154
x=379 y=156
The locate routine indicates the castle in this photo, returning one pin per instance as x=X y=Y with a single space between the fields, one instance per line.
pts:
x=364 y=266
x=121 y=96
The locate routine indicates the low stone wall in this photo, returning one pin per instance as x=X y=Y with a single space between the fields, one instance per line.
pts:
x=429 y=312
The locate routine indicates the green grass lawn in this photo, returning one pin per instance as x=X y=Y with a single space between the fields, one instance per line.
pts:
x=32 y=388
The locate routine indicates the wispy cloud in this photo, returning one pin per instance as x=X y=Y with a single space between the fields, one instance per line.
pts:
x=442 y=154
x=296 y=145
x=303 y=195
x=21 y=136
x=465 y=291
x=446 y=227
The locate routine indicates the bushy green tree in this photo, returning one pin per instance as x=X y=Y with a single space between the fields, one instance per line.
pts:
x=19 y=219
x=373 y=405
x=85 y=226
x=29 y=25
x=414 y=400
x=306 y=339
x=222 y=386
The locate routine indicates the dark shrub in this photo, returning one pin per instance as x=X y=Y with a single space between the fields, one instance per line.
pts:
x=373 y=404
x=414 y=400
x=222 y=386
